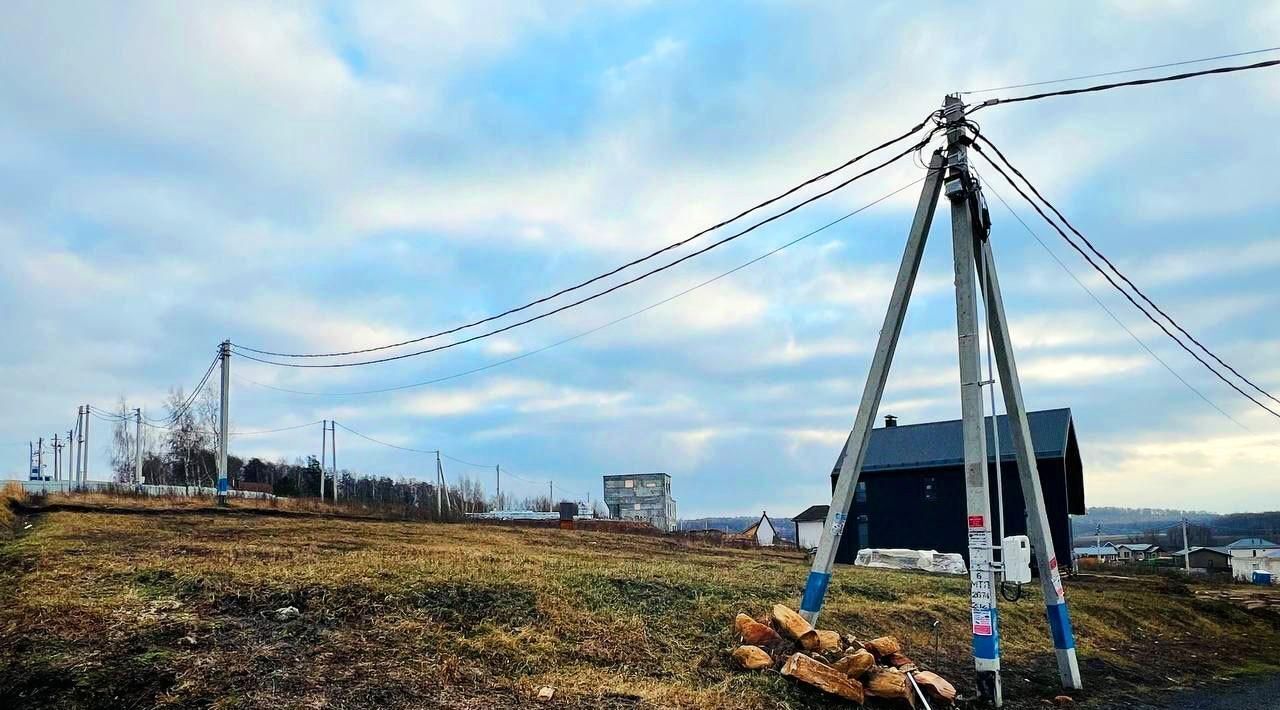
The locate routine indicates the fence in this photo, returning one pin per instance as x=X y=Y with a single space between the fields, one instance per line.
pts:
x=45 y=487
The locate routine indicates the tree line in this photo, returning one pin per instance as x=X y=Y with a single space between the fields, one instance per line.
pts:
x=183 y=452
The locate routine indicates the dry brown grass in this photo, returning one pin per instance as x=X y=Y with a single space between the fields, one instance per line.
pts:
x=173 y=610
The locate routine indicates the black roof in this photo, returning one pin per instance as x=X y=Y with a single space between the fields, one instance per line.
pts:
x=942 y=443
x=908 y=447
x=813 y=512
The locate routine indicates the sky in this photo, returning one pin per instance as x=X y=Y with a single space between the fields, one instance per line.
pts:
x=324 y=176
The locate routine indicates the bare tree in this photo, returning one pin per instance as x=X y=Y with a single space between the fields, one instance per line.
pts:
x=122 y=442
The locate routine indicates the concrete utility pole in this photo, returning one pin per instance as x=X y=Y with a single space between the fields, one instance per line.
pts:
x=552 y=488
x=971 y=252
x=497 y=469
x=1186 y=548
x=40 y=458
x=223 y=417
x=324 y=448
x=333 y=456
x=137 y=445
x=57 y=463
x=439 y=486
x=84 y=473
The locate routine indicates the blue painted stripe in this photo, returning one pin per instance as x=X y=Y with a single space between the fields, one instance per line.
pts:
x=988 y=647
x=815 y=590
x=1060 y=626
x=222 y=486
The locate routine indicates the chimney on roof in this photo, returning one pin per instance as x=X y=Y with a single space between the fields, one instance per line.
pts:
x=890 y=420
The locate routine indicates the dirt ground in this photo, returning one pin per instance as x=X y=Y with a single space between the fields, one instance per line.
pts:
x=176 y=609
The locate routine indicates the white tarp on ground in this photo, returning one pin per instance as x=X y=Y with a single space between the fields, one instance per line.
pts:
x=927 y=560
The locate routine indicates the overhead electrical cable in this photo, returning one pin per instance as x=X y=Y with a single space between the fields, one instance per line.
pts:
x=602 y=326
x=1118 y=287
x=1122 y=84
x=384 y=443
x=598 y=294
x=1117 y=72
x=273 y=431
x=790 y=191
x=1101 y=304
x=466 y=463
x=1121 y=274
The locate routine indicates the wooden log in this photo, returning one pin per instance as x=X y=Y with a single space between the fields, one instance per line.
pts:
x=856 y=664
x=752 y=658
x=823 y=677
x=883 y=646
x=890 y=684
x=754 y=633
x=829 y=641
x=936 y=686
x=789 y=623
x=900 y=661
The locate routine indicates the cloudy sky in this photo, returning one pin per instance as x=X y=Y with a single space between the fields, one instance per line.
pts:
x=325 y=176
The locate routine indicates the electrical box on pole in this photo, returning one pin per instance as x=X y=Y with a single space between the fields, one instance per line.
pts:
x=975 y=271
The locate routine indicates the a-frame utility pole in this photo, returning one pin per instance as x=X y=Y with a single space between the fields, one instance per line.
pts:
x=972 y=253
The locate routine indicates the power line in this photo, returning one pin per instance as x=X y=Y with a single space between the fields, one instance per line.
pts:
x=987 y=185
x=1121 y=71
x=1121 y=84
x=273 y=431
x=1121 y=274
x=607 y=291
x=384 y=443
x=1117 y=286
x=817 y=178
x=602 y=326
x=467 y=463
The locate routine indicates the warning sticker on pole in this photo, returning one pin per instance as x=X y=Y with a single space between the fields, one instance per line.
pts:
x=982 y=621
x=976 y=521
x=1054 y=576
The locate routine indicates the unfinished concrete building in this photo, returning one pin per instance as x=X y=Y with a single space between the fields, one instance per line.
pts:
x=641 y=496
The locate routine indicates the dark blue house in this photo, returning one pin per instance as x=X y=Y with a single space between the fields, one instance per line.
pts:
x=911 y=492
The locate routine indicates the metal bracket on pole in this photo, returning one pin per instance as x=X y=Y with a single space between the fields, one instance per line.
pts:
x=815 y=591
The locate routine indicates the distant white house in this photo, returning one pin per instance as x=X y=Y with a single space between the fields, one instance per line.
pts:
x=1137 y=551
x=762 y=532
x=1253 y=553
x=809 y=526
x=1106 y=552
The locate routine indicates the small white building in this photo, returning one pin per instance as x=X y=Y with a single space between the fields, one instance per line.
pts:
x=762 y=532
x=809 y=526
x=1252 y=553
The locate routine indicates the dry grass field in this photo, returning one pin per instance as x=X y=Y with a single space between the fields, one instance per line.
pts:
x=173 y=608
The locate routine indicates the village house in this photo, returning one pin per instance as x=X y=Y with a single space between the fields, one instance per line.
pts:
x=1211 y=559
x=1250 y=554
x=761 y=532
x=1106 y=552
x=809 y=526
x=911 y=493
x=1137 y=551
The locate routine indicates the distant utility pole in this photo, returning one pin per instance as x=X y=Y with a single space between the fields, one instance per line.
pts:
x=69 y=457
x=552 y=489
x=440 y=492
x=223 y=417
x=57 y=459
x=40 y=458
x=84 y=471
x=333 y=456
x=498 y=470
x=324 y=448
x=137 y=445
x=1186 y=548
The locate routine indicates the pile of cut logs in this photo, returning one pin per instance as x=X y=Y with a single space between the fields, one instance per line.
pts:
x=839 y=665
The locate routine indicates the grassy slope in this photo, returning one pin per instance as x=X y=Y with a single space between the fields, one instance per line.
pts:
x=137 y=611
